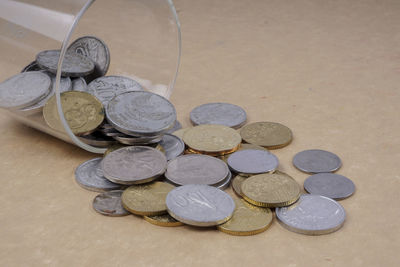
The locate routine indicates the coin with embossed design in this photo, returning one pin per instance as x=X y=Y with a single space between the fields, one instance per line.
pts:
x=312 y=215
x=89 y=175
x=74 y=65
x=196 y=169
x=82 y=111
x=218 y=113
x=330 y=185
x=107 y=87
x=95 y=49
x=270 y=189
x=247 y=219
x=147 y=199
x=271 y=135
x=252 y=161
x=134 y=165
x=200 y=205
x=165 y=220
x=109 y=204
x=212 y=139
x=316 y=161
x=141 y=113
x=24 y=89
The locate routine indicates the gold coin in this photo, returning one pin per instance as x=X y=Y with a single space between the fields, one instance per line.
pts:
x=212 y=139
x=82 y=111
x=163 y=220
x=243 y=147
x=267 y=134
x=180 y=132
x=146 y=199
x=247 y=219
x=237 y=183
x=270 y=190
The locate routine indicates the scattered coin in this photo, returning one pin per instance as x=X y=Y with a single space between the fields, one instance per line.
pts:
x=24 y=89
x=79 y=84
x=140 y=113
x=271 y=135
x=109 y=204
x=252 y=161
x=316 y=161
x=146 y=199
x=82 y=111
x=247 y=219
x=237 y=184
x=218 y=113
x=74 y=65
x=270 y=190
x=312 y=215
x=90 y=176
x=212 y=139
x=172 y=145
x=95 y=49
x=196 y=169
x=329 y=185
x=177 y=126
x=163 y=220
x=200 y=205
x=134 y=165
x=107 y=87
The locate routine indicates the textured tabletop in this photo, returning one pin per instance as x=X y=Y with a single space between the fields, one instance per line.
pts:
x=329 y=70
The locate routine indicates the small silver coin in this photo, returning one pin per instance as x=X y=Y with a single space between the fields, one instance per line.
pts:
x=90 y=176
x=316 y=161
x=196 y=169
x=173 y=146
x=141 y=113
x=95 y=49
x=74 y=65
x=225 y=183
x=132 y=140
x=109 y=204
x=79 y=84
x=107 y=87
x=200 y=205
x=330 y=185
x=312 y=215
x=176 y=127
x=134 y=165
x=98 y=139
x=252 y=161
x=33 y=66
x=24 y=89
x=218 y=113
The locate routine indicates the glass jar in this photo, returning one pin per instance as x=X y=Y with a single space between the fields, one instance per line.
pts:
x=143 y=39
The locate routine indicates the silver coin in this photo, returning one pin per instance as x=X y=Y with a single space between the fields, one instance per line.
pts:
x=316 y=161
x=134 y=165
x=98 y=139
x=252 y=161
x=131 y=140
x=329 y=185
x=33 y=66
x=200 y=205
x=24 y=89
x=225 y=183
x=312 y=215
x=109 y=204
x=196 y=169
x=141 y=113
x=89 y=175
x=218 y=113
x=107 y=87
x=176 y=127
x=74 y=65
x=95 y=49
x=173 y=146
x=79 y=84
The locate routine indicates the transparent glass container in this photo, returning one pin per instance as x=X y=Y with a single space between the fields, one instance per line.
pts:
x=143 y=38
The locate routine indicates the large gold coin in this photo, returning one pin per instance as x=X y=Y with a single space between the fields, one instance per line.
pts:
x=247 y=219
x=165 y=220
x=270 y=190
x=212 y=139
x=82 y=111
x=146 y=199
x=267 y=134
x=237 y=184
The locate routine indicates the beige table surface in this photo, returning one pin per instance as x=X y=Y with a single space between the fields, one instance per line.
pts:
x=329 y=70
